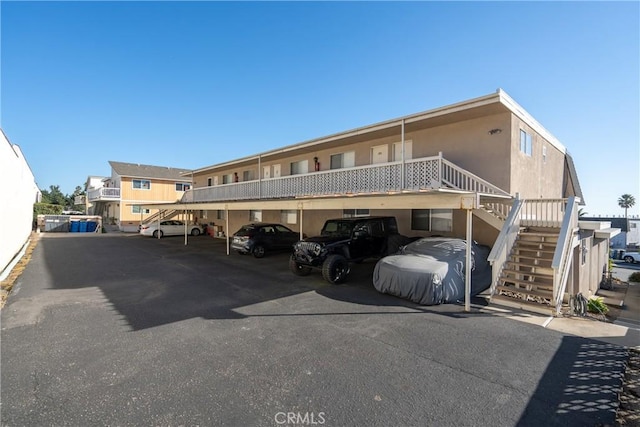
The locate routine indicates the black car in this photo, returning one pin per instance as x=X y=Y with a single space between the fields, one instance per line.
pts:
x=258 y=238
x=345 y=240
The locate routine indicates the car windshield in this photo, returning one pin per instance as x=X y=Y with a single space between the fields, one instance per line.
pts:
x=337 y=228
x=246 y=230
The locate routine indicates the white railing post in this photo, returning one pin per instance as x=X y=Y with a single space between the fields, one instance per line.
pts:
x=564 y=251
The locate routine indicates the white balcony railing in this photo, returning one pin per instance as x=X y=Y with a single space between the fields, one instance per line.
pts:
x=414 y=175
x=103 y=194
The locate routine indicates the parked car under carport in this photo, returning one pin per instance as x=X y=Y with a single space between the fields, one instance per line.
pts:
x=431 y=271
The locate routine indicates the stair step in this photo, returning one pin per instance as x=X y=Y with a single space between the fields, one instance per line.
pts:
x=520 y=242
x=546 y=268
x=540 y=274
x=523 y=305
x=538 y=235
x=523 y=256
x=546 y=231
x=538 y=285
x=542 y=251
x=533 y=292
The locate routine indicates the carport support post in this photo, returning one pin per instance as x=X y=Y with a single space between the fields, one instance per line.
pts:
x=467 y=276
x=226 y=217
x=301 y=232
x=185 y=227
x=158 y=228
x=468 y=203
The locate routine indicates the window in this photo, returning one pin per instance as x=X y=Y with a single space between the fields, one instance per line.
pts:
x=227 y=179
x=182 y=186
x=289 y=217
x=220 y=214
x=432 y=219
x=343 y=160
x=255 y=216
x=299 y=167
x=139 y=210
x=247 y=176
x=525 y=142
x=209 y=182
x=352 y=213
x=141 y=184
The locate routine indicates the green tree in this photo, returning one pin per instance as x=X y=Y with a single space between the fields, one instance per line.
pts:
x=626 y=201
x=582 y=212
x=54 y=196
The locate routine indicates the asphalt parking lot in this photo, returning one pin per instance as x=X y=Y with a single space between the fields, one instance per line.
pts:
x=120 y=329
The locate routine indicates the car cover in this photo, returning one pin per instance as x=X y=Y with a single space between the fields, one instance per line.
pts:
x=431 y=271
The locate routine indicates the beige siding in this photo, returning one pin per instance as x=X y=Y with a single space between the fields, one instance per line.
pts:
x=160 y=191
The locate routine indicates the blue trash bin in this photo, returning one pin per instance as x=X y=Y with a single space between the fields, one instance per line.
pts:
x=83 y=227
x=91 y=226
x=74 y=227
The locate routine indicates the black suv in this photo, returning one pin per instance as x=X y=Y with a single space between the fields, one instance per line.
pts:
x=342 y=241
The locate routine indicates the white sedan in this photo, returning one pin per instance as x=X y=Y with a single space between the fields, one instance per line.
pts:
x=170 y=227
x=631 y=257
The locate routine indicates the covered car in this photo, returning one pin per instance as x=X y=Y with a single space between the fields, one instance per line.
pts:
x=431 y=271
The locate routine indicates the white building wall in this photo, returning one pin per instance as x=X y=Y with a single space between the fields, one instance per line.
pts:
x=19 y=191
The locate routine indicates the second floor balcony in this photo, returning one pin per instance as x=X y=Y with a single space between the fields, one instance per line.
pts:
x=422 y=174
x=103 y=194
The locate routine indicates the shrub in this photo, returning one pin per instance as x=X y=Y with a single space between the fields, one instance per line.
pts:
x=635 y=277
x=597 y=305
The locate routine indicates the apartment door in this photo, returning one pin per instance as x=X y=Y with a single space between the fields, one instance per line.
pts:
x=379 y=154
x=266 y=172
x=397 y=151
x=276 y=171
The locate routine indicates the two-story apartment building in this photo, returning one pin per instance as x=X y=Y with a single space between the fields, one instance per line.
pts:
x=482 y=169
x=118 y=198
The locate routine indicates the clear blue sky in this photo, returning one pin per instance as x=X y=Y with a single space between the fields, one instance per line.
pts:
x=193 y=84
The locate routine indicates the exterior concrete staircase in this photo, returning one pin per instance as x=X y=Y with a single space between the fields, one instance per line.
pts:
x=162 y=214
x=526 y=280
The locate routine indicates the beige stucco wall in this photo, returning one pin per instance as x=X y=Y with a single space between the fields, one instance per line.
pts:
x=536 y=176
x=590 y=267
x=467 y=144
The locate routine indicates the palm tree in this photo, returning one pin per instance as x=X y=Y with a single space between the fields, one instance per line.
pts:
x=626 y=201
x=582 y=212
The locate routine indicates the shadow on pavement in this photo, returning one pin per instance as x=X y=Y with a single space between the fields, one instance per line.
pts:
x=579 y=387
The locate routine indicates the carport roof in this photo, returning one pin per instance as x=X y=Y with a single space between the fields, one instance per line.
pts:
x=431 y=199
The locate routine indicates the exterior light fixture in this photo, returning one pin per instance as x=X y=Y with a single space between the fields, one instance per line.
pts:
x=495 y=131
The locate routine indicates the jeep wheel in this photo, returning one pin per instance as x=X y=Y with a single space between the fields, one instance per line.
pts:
x=298 y=269
x=335 y=269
